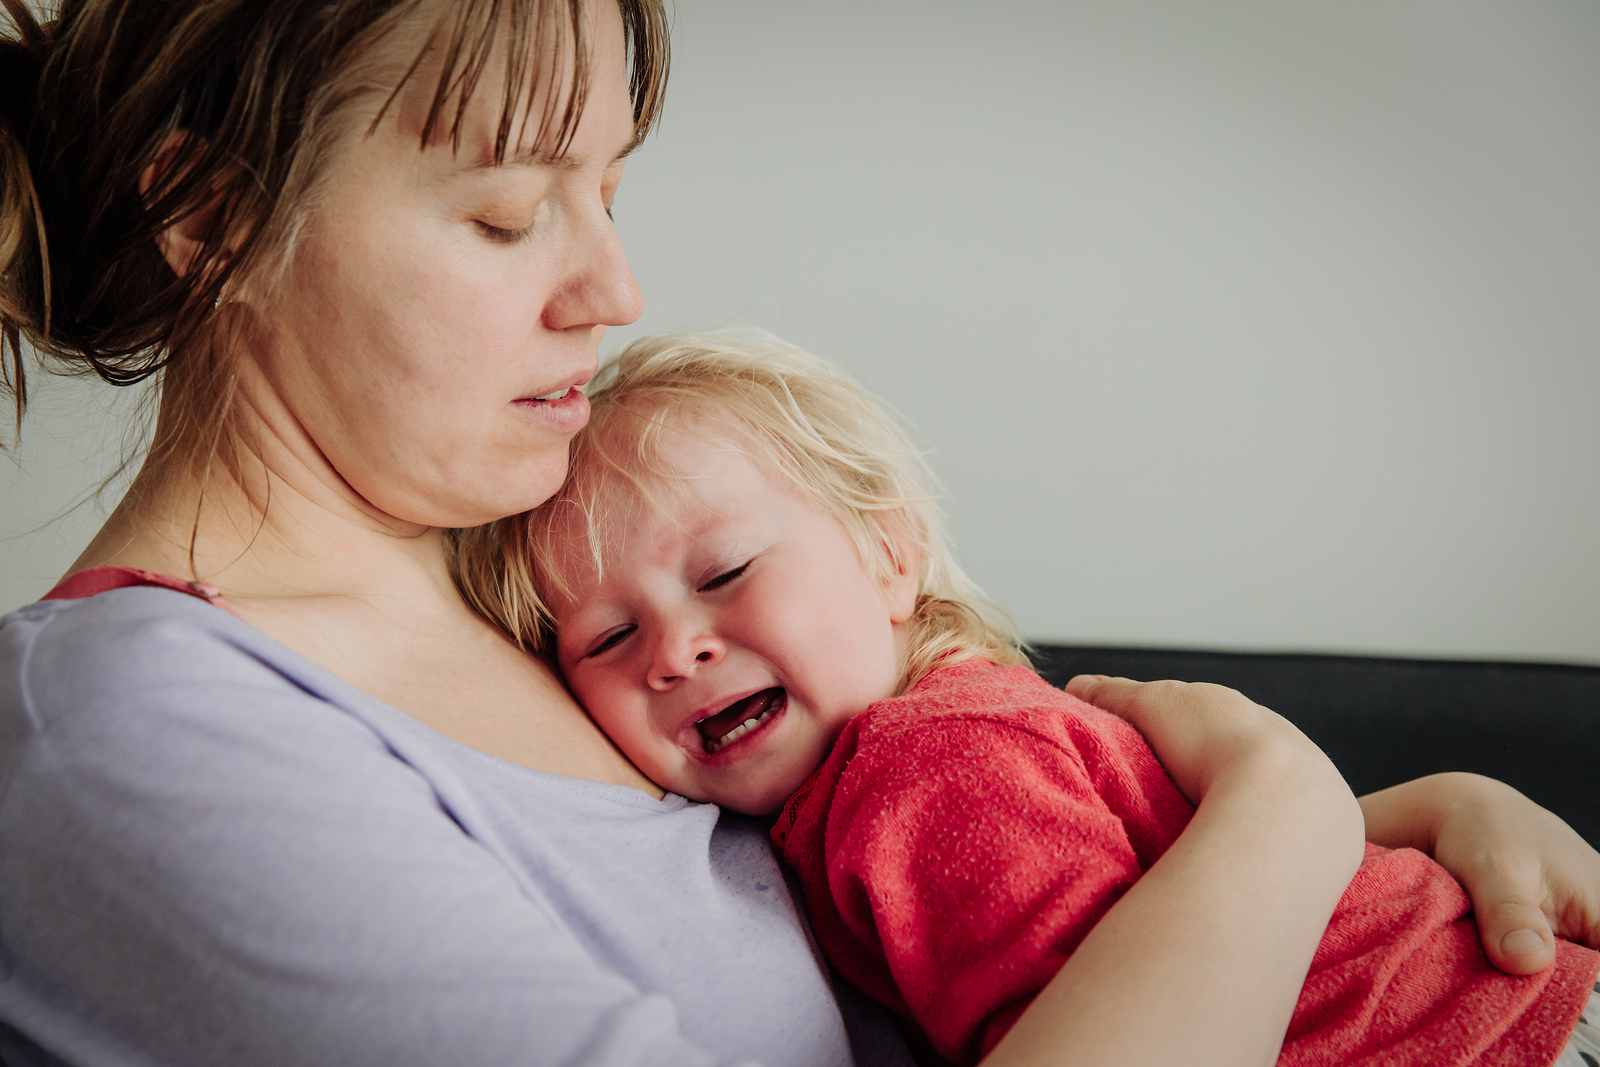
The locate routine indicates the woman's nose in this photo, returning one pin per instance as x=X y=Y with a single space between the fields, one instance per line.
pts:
x=599 y=288
x=678 y=659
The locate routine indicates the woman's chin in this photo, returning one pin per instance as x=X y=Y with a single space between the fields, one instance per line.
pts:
x=465 y=504
x=511 y=494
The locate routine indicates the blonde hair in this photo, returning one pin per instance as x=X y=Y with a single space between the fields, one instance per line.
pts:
x=797 y=418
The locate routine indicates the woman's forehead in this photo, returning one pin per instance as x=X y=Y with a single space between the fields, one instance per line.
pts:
x=512 y=82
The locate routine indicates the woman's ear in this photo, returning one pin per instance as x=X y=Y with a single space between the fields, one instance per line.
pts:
x=183 y=240
x=903 y=581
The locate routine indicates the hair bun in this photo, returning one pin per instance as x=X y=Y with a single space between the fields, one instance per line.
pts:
x=21 y=61
x=19 y=79
x=22 y=52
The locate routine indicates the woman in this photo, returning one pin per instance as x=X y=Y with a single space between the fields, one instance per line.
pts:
x=343 y=819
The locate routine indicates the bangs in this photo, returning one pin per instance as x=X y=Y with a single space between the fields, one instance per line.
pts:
x=544 y=43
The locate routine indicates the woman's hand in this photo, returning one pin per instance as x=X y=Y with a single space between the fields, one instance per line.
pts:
x=1530 y=876
x=1197 y=730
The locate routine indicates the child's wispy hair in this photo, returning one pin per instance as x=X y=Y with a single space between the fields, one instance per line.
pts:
x=801 y=421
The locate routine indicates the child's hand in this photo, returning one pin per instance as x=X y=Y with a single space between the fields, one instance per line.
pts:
x=1530 y=876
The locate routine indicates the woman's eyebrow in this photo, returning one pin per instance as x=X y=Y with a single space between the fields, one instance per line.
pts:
x=543 y=157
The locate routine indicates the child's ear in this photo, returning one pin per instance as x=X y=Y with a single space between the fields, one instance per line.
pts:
x=904 y=579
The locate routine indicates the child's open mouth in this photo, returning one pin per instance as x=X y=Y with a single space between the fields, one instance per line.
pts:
x=740 y=718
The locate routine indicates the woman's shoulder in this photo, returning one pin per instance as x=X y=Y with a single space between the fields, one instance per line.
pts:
x=145 y=681
x=151 y=654
x=140 y=685
x=129 y=637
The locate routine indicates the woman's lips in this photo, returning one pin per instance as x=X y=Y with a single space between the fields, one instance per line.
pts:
x=565 y=410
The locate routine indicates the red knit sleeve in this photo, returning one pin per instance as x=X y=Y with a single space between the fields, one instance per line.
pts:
x=975 y=855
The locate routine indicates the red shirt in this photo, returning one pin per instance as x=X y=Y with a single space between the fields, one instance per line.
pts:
x=961 y=839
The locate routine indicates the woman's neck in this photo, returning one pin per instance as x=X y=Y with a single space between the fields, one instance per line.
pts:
x=301 y=556
x=263 y=512
x=275 y=535
x=369 y=600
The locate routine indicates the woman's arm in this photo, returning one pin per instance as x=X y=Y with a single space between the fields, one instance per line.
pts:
x=1201 y=962
x=1530 y=876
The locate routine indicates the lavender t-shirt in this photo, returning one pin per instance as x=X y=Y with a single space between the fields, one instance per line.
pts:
x=213 y=851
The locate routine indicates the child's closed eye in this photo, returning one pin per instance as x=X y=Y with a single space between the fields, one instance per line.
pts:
x=610 y=640
x=725 y=577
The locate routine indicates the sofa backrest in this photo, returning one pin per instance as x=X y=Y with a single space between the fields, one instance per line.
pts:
x=1383 y=721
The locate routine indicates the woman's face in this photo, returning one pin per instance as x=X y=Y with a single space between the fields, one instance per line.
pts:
x=438 y=306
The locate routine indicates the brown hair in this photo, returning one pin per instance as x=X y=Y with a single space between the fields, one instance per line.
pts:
x=258 y=93
x=800 y=421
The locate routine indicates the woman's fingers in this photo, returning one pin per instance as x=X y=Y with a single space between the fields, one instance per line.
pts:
x=1180 y=702
x=1504 y=876
x=1185 y=734
x=1196 y=729
x=1179 y=710
x=1515 y=933
x=1084 y=686
x=1528 y=873
x=1530 y=876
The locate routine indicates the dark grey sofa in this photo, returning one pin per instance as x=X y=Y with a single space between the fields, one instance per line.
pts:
x=1535 y=726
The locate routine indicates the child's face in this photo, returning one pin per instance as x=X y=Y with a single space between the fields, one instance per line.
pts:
x=729 y=599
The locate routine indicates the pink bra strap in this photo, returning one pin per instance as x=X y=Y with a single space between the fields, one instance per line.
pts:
x=103 y=579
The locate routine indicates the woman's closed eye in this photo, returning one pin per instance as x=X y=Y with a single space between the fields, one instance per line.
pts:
x=609 y=641
x=725 y=577
x=502 y=236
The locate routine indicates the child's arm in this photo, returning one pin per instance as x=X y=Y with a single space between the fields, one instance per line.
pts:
x=1530 y=876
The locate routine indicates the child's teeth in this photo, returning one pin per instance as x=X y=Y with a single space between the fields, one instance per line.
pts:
x=557 y=395
x=738 y=731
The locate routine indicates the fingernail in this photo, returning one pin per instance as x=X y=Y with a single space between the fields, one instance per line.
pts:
x=1518 y=942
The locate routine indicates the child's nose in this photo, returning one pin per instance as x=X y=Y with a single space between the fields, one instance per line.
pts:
x=677 y=660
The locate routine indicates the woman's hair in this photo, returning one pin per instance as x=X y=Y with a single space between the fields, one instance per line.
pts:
x=236 y=107
x=800 y=421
